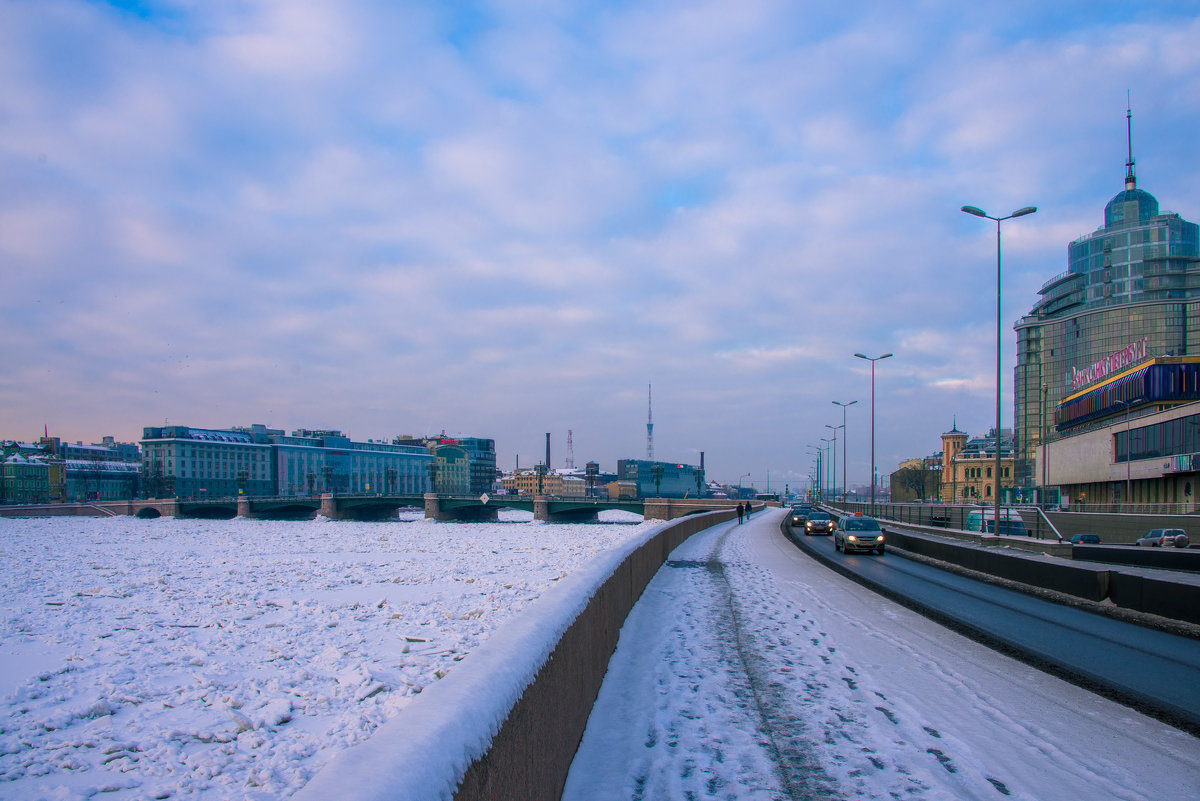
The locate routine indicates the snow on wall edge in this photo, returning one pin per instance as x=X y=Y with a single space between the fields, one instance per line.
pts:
x=423 y=752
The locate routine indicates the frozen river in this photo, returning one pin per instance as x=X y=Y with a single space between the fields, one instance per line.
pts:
x=231 y=659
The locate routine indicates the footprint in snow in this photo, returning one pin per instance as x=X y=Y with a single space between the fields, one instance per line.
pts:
x=999 y=785
x=942 y=758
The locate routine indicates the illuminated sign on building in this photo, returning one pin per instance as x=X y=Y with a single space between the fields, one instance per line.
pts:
x=1131 y=354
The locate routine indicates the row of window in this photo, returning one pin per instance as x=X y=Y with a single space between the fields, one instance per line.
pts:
x=1169 y=438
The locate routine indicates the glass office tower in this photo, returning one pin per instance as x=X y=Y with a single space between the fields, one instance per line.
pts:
x=1131 y=287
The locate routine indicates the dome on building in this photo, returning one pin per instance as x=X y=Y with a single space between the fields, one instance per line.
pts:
x=1119 y=210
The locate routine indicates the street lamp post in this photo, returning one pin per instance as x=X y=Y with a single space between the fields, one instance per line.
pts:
x=978 y=212
x=740 y=490
x=872 y=360
x=844 y=438
x=833 y=489
x=816 y=485
x=827 y=442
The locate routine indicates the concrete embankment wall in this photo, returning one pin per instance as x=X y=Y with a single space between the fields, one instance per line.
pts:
x=1090 y=581
x=531 y=755
x=505 y=724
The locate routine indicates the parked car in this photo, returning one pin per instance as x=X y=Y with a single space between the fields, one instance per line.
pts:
x=799 y=516
x=984 y=520
x=1164 y=538
x=818 y=523
x=1085 y=539
x=858 y=533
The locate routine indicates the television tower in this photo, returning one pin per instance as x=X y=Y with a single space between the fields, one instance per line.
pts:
x=570 y=450
x=649 y=422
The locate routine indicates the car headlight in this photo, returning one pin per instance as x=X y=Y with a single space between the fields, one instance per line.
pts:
x=879 y=538
x=852 y=538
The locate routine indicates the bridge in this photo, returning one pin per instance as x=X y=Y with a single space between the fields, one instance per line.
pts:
x=380 y=507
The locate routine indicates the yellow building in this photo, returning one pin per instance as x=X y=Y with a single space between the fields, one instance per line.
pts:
x=968 y=466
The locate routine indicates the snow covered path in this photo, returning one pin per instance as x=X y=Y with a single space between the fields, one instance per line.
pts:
x=747 y=671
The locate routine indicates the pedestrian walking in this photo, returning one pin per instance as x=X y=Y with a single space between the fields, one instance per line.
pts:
x=749 y=509
x=741 y=512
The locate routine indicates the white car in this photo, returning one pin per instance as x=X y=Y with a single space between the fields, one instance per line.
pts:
x=858 y=533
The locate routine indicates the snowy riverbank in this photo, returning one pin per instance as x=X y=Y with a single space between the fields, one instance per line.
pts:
x=167 y=658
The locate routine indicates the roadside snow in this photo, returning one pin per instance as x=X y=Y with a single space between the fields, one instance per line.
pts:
x=167 y=658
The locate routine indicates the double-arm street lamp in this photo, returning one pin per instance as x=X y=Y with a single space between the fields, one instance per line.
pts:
x=978 y=212
x=872 y=360
x=844 y=438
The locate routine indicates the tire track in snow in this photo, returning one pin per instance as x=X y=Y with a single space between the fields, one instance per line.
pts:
x=786 y=740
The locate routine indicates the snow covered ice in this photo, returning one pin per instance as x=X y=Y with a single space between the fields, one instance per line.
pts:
x=233 y=659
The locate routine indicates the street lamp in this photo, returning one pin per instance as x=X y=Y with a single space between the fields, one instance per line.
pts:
x=740 y=490
x=978 y=212
x=817 y=483
x=872 y=360
x=827 y=442
x=833 y=489
x=844 y=438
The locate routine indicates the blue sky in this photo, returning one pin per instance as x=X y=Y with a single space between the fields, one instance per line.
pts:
x=506 y=219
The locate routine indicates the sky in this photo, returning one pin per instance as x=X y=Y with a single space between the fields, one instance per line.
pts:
x=507 y=219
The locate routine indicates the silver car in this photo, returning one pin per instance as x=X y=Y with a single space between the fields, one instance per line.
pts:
x=1164 y=538
x=858 y=533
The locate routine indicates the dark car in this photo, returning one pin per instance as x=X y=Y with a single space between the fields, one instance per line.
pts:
x=799 y=516
x=858 y=533
x=1085 y=539
x=1164 y=538
x=818 y=523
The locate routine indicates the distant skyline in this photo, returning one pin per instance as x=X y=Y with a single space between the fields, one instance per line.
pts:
x=503 y=219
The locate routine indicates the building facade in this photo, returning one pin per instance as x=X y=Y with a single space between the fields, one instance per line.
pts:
x=1133 y=437
x=309 y=462
x=677 y=480
x=969 y=466
x=186 y=462
x=30 y=478
x=1131 y=289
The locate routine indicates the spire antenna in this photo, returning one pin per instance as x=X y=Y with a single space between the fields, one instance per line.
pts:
x=1130 y=178
x=649 y=422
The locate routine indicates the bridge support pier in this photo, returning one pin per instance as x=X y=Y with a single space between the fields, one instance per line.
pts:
x=243 y=507
x=433 y=509
x=541 y=508
x=658 y=509
x=329 y=507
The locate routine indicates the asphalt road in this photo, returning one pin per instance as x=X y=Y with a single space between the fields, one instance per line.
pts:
x=1155 y=672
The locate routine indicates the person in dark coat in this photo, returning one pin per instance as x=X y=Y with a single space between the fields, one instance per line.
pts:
x=741 y=511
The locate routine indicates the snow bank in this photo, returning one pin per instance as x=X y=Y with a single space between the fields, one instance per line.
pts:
x=422 y=753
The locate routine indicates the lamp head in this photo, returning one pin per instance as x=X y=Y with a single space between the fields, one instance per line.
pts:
x=1024 y=211
x=978 y=212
